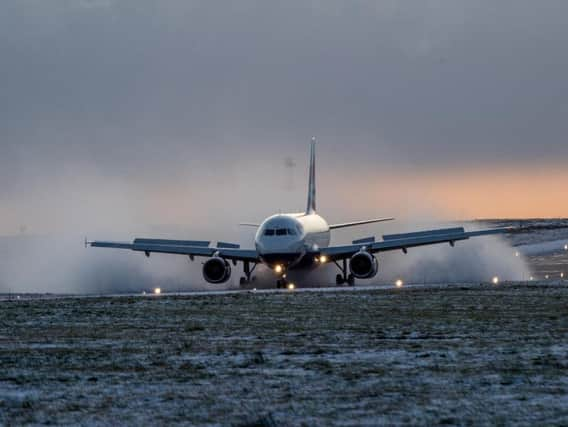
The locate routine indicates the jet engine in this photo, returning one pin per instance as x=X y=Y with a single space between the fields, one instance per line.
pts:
x=363 y=265
x=216 y=270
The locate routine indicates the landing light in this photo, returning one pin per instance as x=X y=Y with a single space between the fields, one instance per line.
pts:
x=399 y=283
x=278 y=268
x=566 y=247
x=562 y=275
x=157 y=291
x=546 y=277
x=291 y=286
x=495 y=280
x=323 y=259
x=517 y=253
x=531 y=278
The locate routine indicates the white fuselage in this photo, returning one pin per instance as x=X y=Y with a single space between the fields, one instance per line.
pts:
x=285 y=238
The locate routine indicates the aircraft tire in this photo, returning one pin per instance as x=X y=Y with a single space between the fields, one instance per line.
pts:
x=351 y=280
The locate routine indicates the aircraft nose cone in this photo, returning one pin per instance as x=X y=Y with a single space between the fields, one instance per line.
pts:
x=280 y=246
x=282 y=253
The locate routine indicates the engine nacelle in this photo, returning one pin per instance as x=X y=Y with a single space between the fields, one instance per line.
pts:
x=363 y=265
x=216 y=270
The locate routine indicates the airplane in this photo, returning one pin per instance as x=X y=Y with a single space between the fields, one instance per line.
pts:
x=296 y=241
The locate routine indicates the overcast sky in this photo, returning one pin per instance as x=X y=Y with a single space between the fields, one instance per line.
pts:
x=149 y=112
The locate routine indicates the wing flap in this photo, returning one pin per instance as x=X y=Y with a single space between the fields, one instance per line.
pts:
x=226 y=245
x=199 y=243
x=115 y=245
x=365 y=240
x=409 y=242
x=490 y=231
x=173 y=249
x=182 y=247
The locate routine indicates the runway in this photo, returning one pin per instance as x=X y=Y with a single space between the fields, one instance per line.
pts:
x=417 y=355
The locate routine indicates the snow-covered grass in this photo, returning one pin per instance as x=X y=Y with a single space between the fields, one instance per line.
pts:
x=467 y=354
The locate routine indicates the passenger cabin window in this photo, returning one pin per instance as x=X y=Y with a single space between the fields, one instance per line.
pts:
x=281 y=232
x=269 y=232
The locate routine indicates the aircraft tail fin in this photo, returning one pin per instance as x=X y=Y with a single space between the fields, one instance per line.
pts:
x=311 y=208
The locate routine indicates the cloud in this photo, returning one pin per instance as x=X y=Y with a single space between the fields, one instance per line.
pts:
x=143 y=109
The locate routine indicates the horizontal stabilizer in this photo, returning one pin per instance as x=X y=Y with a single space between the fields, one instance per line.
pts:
x=226 y=245
x=364 y=241
x=195 y=243
x=353 y=224
x=443 y=231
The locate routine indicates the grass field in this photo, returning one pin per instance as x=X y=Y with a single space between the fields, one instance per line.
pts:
x=470 y=354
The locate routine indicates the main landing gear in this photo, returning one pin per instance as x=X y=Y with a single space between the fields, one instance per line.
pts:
x=246 y=279
x=341 y=280
x=344 y=278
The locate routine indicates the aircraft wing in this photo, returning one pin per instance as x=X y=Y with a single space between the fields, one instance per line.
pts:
x=191 y=248
x=409 y=240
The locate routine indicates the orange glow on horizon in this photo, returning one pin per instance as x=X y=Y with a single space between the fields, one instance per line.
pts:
x=501 y=193
x=512 y=191
x=493 y=192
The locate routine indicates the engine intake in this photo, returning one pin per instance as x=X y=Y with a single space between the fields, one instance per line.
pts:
x=363 y=265
x=216 y=270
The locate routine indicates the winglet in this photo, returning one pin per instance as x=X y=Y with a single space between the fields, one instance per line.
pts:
x=311 y=208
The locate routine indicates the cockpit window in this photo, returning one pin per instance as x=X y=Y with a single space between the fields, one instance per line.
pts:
x=281 y=232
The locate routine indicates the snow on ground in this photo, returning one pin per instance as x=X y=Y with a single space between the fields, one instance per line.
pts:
x=463 y=354
x=544 y=248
